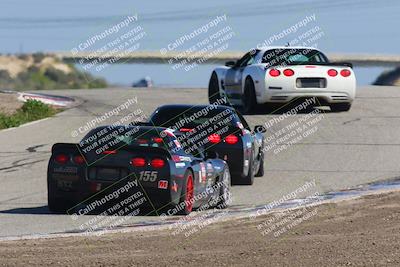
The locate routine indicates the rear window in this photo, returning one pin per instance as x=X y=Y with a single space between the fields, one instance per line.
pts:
x=111 y=138
x=177 y=118
x=283 y=57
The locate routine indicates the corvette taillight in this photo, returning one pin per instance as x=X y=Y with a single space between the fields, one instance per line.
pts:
x=138 y=162
x=78 y=159
x=345 y=73
x=274 y=72
x=332 y=73
x=231 y=139
x=61 y=158
x=214 y=138
x=288 y=72
x=157 y=140
x=109 y=152
x=157 y=163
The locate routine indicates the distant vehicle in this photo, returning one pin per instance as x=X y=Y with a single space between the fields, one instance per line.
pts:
x=145 y=82
x=281 y=74
x=172 y=180
x=221 y=129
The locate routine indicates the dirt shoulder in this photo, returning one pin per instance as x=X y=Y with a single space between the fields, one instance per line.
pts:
x=9 y=103
x=361 y=232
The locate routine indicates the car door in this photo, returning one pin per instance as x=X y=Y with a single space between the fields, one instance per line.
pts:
x=233 y=78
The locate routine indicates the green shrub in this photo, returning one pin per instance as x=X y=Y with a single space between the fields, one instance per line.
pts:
x=30 y=111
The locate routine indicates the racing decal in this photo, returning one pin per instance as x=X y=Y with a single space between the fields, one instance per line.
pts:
x=203 y=172
x=178 y=145
x=174 y=186
x=210 y=169
x=177 y=158
x=148 y=176
x=180 y=164
x=163 y=184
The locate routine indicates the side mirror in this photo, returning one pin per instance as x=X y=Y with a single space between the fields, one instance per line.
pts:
x=230 y=63
x=259 y=129
x=210 y=154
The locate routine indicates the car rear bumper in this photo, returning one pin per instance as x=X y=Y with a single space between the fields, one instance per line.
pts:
x=322 y=96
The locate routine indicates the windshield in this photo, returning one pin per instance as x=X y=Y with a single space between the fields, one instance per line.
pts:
x=283 y=57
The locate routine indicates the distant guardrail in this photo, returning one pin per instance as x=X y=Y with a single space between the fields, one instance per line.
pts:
x=358 y=60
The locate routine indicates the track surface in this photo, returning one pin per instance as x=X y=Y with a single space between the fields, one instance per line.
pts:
x=348 y=149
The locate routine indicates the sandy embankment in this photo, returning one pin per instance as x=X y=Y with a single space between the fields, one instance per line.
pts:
x=361 y=232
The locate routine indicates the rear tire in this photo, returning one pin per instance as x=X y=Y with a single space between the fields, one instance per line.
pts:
x=57 y=205
x=261 y=167
x=340 y=107
x=213 y=89
x=187 y=195
x=249 y=97
x=249 y=178
x=225 y=190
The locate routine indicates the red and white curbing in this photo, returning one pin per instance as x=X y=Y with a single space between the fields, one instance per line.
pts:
x=53 y=100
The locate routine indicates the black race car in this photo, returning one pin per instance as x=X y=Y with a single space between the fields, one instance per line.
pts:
x=221 y=129
x=113 y=167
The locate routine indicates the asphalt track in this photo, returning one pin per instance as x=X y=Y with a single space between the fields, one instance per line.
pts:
x=345 y=150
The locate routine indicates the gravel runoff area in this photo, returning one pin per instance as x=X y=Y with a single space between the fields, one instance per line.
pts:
x=358 y=232
x=9 y=103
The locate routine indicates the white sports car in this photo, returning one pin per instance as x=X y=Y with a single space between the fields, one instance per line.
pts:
x=277 y=75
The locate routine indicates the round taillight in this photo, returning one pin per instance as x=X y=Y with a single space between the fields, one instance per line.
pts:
x=274 y=73
x=157 y=163
x=214 y=138
x=345 y=73
x=138 y=162
x=61 y=158
x=332 y=72
x=231 y=139
x=78 y=159
x=157 y=140
x=288 y=72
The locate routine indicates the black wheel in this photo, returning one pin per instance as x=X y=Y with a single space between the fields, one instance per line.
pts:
x=224 y=197
x=187 y=196
x=213 y=89
x=340 y=107
x=57 y=205
x=260 y=171
x=249 y=97
x=249 y=178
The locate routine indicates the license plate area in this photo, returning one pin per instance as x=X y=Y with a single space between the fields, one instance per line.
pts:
x=107 y=174
x=311 y=83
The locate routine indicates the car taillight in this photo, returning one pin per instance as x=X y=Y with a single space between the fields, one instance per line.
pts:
x=109 y=152
x=61 y=158
x=332 y=72
x=157 y=163
x=157 y=140
x=274 y=73
x=78 y=159
x=345 y=73
x=138 y=162
x=214 y=138
x=184 y=130
x=231 y=139
x=288 y=72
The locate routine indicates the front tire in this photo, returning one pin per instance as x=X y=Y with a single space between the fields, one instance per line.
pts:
x=249 y=178
x=249 y=97
x=340 y=107
x=224 y=197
